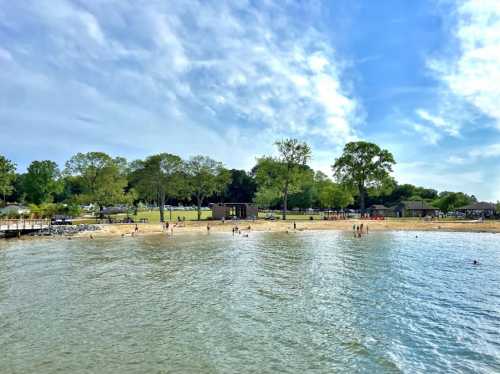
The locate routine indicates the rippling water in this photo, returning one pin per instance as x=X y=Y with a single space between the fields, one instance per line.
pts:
x=318 y=302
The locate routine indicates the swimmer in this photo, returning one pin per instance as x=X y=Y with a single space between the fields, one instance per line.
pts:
x=476 y=262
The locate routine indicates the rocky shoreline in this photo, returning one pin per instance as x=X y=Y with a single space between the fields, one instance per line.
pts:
x=67 y=230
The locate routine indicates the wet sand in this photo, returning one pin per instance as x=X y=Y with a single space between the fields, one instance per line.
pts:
x=284 y=226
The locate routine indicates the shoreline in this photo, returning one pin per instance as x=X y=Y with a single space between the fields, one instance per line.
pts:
x=117 y=230
x=200 y=227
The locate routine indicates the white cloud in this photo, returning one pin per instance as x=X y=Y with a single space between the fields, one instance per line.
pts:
x=472 y=155
x=487 y=151
x=429 y=135
x=439 y=122
x=234 y=73
x=473 y=74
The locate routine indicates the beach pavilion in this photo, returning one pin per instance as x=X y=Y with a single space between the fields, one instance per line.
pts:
x=480 y=209
x=418 y=208
x=380 y=210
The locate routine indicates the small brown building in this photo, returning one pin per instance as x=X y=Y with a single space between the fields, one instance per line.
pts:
x=234 y=210
x=379 y=210
x=482 y=209
x=417 y=208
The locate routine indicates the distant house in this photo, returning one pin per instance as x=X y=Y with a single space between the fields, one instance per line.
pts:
x=379 y=210
x=481 y=209
x=415 y=209
x=14 y=210
x=234 y=210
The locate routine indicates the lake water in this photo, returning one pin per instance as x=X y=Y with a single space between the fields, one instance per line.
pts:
x=319 y=302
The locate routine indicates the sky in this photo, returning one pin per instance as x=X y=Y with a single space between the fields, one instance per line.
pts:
x=227 y=79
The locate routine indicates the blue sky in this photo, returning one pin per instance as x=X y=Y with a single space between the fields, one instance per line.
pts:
x=227 y=79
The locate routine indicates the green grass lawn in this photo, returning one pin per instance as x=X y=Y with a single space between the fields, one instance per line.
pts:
x=154 y=217
x=191 y=215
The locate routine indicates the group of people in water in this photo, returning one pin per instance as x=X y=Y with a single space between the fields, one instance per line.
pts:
x=359 y=230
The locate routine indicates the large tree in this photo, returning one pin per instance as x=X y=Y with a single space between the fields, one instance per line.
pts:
x=158 y=177
x=449 y=201
x=334 y=196
x=285 y=173
x=206 y=177
x=102 y=178
x=242 y=187
x=7 y=177
x=363 y=166
x=42 y=181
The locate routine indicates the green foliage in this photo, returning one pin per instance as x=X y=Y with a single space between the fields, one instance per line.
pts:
x=334 y=196
x=7 y=177
x=266 y=198
x=158 y=177
x=205 y=177
x=286 y=173
x=42 y=182
x=363 y=165
x=49 y=210
x=242 y=188
x=103 y=179
x=449 y=201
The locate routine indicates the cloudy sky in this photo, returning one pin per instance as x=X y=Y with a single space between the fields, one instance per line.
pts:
x=227 y=78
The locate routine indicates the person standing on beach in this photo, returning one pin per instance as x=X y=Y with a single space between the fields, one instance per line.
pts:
x=208 y=228
x=294 y=225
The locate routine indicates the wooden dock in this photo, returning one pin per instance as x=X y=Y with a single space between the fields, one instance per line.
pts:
x=17 y=227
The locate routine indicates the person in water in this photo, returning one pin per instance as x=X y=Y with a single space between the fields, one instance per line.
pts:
x=476 y=262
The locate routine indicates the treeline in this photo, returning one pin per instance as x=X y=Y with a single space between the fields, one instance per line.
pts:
x=361 y=177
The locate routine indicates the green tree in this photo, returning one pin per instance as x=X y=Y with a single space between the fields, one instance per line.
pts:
x=449 y=201
x=285 y=173
x=363 y=166
x=333 y=195
x=7 y=177
x=267 y=197
x=102 y=179
x=160 y=177
x=205 y=177
x=42 y=182
x=242 y=187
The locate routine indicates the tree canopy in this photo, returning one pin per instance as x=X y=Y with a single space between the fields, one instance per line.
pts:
x=7 y=177
x=158 y=177
x=285 y=173
x=363 y=165
x=42 y=182
x=205 y=177
x=102 y=178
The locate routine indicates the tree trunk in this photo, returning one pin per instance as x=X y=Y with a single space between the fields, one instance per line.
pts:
x=361 y=198
x=198 y=201
x=161 y=196
x=285 y=201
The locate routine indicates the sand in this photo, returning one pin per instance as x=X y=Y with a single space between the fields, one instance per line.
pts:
x=283 y=226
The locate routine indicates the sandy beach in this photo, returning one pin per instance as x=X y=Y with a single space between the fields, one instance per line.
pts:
x=284 y=226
